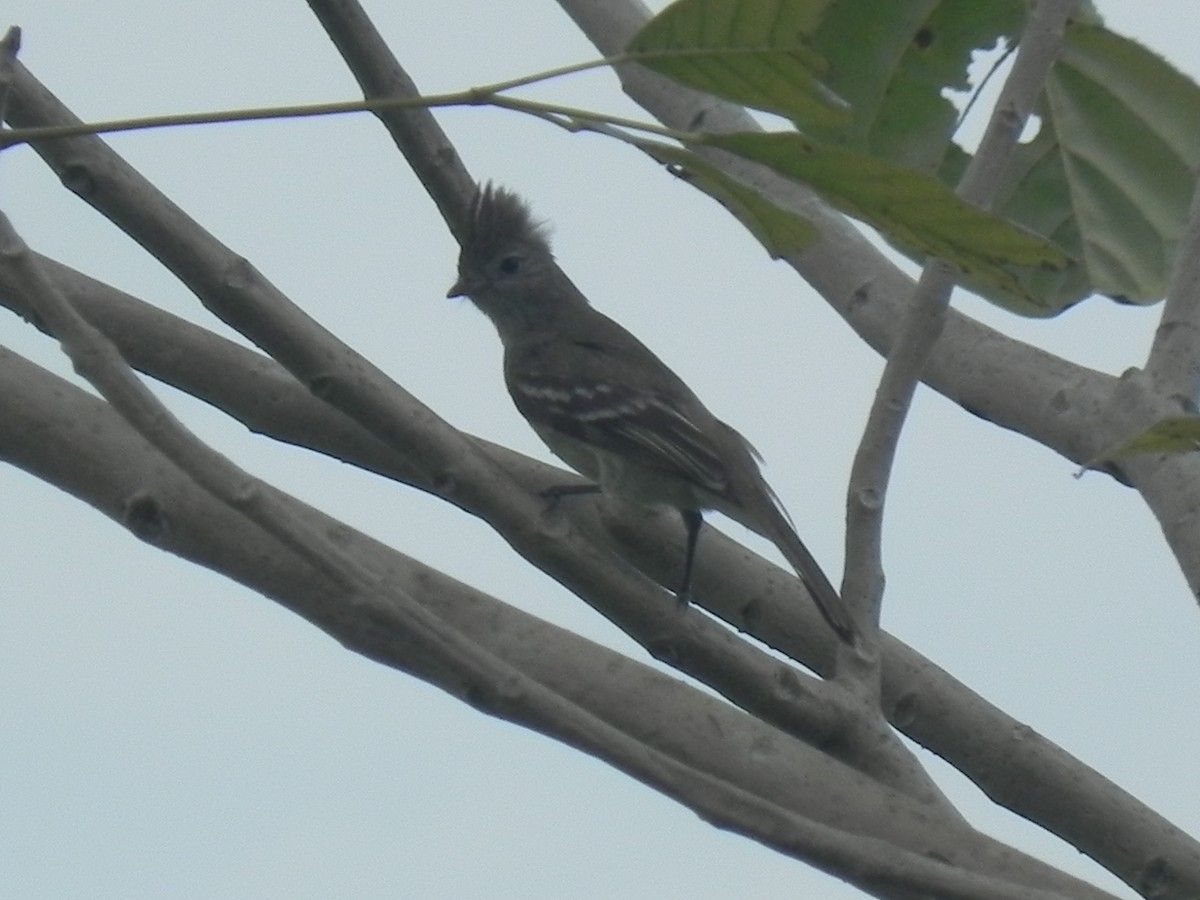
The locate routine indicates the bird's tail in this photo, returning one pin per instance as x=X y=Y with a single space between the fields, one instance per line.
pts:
x=750 y=500
x=806 y=567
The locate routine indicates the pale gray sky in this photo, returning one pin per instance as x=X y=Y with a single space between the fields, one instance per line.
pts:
x=164 y=732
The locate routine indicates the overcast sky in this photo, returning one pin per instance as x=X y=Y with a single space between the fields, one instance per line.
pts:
x=164 y=732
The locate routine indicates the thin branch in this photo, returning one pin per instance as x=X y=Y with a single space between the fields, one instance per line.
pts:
x=475 y=96
x=484 y=95
x=1038 y=49
x=863 y=584
x=17 y=136
x=926 y=319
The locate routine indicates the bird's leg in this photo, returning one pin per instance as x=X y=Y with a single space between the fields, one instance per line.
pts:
x=692 y=520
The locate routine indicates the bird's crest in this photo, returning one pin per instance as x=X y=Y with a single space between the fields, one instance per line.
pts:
x=498 y=219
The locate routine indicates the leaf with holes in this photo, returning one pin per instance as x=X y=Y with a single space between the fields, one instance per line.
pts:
x=1110 y=173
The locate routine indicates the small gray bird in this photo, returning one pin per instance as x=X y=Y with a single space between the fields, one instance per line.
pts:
x=607 y=405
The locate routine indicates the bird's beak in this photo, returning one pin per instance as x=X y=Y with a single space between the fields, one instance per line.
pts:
x=466 y=286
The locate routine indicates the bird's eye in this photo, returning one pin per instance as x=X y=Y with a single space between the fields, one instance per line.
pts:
x=510 y=264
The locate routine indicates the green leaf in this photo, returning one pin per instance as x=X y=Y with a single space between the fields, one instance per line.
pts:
x=779 y=230
x=1109 y=175
x=753 y=52
x=894 y=62
x=1128 y=131
x=891 y=63
x=1177 y=434
x=917 y=211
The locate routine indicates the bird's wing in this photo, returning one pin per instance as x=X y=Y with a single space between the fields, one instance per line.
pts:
x=642 y=426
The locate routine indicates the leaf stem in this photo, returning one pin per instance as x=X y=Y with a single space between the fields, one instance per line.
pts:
x=489 y=95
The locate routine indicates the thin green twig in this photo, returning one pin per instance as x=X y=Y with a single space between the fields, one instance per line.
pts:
x=525 y=80
x=488 y=95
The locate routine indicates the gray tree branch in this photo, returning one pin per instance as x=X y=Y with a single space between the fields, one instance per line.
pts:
x=916 y=694
x=693 y=747
x=451 y=466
